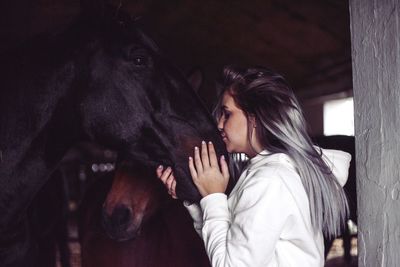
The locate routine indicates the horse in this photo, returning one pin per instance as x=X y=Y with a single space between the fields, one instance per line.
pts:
x=134 y=223
x=100 y=80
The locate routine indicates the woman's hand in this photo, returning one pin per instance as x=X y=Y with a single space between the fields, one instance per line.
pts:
x=167 y=177
x=206 y=174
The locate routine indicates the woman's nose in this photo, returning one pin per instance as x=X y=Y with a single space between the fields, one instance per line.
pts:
x=220 y=125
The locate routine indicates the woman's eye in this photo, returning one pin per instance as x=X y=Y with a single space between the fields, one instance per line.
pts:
x=226 y=114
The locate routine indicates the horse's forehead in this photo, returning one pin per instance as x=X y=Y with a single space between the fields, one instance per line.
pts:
x=131 y=38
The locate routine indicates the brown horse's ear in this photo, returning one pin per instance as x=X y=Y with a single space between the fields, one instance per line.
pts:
x=195 y=78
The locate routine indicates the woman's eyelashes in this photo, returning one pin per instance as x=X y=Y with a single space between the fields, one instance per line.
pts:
x=226 y=114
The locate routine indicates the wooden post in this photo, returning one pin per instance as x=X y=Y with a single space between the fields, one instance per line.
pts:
x=375 y=35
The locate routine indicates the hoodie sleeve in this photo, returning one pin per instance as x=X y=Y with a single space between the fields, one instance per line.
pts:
x=338 y=161
x=246 y=234
x=197 y=215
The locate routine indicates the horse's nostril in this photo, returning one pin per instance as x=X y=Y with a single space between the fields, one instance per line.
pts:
x=121 y=216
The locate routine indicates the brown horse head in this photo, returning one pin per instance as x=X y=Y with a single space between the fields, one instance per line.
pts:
x=135 y=196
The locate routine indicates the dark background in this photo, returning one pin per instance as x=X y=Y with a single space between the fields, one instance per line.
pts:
x=307 y=41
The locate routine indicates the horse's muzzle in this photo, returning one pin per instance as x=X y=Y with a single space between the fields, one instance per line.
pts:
x=121 y=225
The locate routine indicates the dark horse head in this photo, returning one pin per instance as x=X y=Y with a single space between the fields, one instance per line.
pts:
x=102 y=80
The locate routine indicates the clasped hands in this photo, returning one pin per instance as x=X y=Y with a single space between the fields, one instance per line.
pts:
x=206 y=174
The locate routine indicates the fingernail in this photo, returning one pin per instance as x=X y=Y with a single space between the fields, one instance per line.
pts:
x=196 y=148
x=210 y=143
x=223 y=157
x=160 y=167
x=203 y=142
x=190 y=158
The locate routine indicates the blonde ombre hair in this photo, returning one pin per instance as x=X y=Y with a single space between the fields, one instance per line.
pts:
x=281 y=128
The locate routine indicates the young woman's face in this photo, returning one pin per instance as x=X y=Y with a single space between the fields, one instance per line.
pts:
x=234 y=129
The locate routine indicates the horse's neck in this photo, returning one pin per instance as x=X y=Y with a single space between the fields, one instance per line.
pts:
x=175 y=228
x=37 y=131
x=171 y=241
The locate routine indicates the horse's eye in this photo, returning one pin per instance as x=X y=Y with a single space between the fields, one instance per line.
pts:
x=137 y=56
x=139 y=60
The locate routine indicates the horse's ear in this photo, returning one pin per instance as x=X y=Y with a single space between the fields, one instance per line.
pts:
x=145 y=38
x=195 y=78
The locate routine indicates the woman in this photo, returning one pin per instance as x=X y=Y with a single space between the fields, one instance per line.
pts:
x=288 y=195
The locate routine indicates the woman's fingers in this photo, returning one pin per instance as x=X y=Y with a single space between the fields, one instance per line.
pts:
x=159 y=171
x=171 y=186
x=206 y=173
x=163 y=174
x=212 y=155
x=224 y=167
x=172 y=190
x=204 y=155
x=168 y=179
x=169 y=182
x=192 y=169
x=197 y=160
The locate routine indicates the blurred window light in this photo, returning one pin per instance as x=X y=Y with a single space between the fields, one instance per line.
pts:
x=339 y=117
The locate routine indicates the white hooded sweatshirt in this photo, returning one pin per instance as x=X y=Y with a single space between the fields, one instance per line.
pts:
x=266 y=219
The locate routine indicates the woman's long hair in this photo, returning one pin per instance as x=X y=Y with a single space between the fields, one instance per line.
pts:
x=281 y=128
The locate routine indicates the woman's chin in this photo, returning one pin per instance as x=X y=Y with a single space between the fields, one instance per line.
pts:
x=229 y=149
